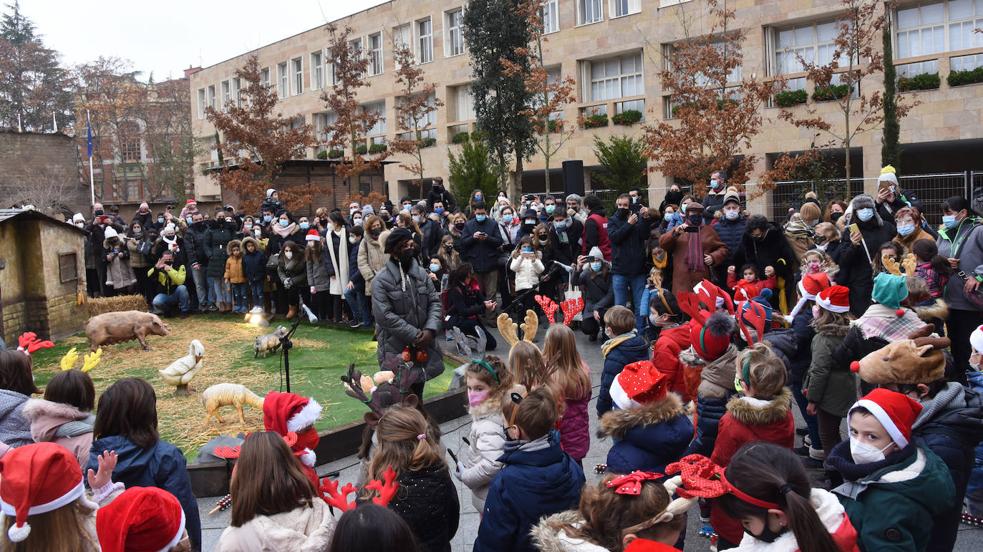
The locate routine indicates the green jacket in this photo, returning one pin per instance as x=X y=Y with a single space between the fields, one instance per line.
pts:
x=894 y=508
x=834 y=391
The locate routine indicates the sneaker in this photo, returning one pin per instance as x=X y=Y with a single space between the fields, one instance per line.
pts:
x=212 y=308
x=354 y=324
x=817 y=454
x=802 y=451
x=706 y=530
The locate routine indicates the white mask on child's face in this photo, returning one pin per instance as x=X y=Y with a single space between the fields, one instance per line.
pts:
x=865 y=454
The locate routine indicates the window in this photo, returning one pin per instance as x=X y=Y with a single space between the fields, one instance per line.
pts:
x=668 y=3
x=463 y=102
x=814 y=43
x=375 y=54
x=733 y=76
x=211 y=96
x=453 y=22
x=264 y=77
x=379 y=128
x=317 y=70
x=130 y=142
x=355 y=46
x=616 y=77
x=939 y=27
x=226 y=95
x=298 y=72
x=424 y=41
x=589 y=11
x=551 y=16
x=201 y=103
x=322 y=124
x=425 y=124
x=68 y=267
x=401 y=36
x=283 y=80
x=621 y=8
x=236 y=91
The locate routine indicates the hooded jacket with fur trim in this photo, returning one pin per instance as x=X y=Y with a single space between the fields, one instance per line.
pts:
x=552 y=534
x=647 y=437
x=834 y=391
x=749 y=419
x=62 y=424
x=478 y=462
x=831 y=514
x=304 y=529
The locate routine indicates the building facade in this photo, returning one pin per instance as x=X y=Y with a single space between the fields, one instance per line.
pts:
x=614 y=49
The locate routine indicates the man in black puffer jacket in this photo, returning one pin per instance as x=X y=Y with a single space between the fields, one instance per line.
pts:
x=763 y=245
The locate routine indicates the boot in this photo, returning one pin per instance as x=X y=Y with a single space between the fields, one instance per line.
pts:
x=291 y=312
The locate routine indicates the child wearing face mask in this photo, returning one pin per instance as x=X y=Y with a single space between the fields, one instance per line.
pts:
x=488 y=381
x=527 y=263
x=750 y=286
x=893 y=490
x=769 y=491
x=931 y=267
x=593 y=275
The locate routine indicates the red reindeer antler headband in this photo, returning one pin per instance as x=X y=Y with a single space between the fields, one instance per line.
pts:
x=339 y=497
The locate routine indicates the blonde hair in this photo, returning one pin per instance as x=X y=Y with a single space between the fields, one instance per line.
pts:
x=60 y=530
x=400 y=445
x=810 y=211
x=499 y=379
x=620 y=319
x=528 y=366
x=762 y=369
x=568 y=380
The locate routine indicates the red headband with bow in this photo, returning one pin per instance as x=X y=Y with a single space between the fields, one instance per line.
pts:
x=631 y=484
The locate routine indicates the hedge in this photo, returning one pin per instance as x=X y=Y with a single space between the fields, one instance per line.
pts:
x=921 y=81
x=627 y=117
x=597 y=120
x=971 y=76
x=788 y=98
x=831 y=92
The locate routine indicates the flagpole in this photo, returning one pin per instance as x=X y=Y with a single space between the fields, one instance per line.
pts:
x=92 y=183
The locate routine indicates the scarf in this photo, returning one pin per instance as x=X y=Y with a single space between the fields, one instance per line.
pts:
x=615 y=341
x=841 y=460
x=797 y=227
x=694 y=252
x=284 y=231
x=339 y=261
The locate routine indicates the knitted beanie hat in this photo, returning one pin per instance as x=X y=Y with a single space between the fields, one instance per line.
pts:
x=894 y=411
x=142 y=518
x=890 y=290
x=712 y=339
x=888 y=175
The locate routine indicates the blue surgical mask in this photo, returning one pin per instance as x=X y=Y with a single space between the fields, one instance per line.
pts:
x=267 y=218
x=304 y=226
x=434 y=267
x=478 y=197
x=596 y=266
x=480 y=218
x=865 y=214
x=507 y=219
x=407 y=207
x=189 y=220
x=160 y=220
x=714 y=183
x=550 y=209
x=560 y=225
x=906 y=229
x=526 y=249
x=949 y=221
x=284 y=223
x=438 y=210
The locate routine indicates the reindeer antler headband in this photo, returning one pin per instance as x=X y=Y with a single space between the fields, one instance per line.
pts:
x=339 y=497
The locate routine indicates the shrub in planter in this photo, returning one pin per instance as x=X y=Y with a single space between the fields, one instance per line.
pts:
x=322 y=155
x=922 y=81
x=788 y=98
x=335 y=154
x=427 y=142
x=831 y=92
x=377 y=148
x=970 y=76
x=361 y=149
x=627 y=117
x=460 y=138
x=597 y=120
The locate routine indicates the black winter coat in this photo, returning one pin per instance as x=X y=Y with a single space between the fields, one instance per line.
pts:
x=856 y=272
x=427 y=501
x=194 y=241
x=482 y=254
x=596 y=288
x=773 y=250
x=217 y=238
x=628 y=244
x=432 y=233
x=731 y=232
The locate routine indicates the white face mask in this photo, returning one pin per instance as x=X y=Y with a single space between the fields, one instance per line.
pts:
x=288 y=254
x=654 y=319
x=865 y=454
x=822 y=246
x=732 y=214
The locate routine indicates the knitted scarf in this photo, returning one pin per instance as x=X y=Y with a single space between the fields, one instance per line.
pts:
x=284 y=231
x=694 y=252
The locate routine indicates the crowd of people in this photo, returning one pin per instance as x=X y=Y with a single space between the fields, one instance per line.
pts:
x=714 y=327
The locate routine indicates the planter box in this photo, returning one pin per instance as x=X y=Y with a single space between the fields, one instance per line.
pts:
x=788 y=98
x=830 y=93
x=460 y=138
x=923 y=81
x=595 y=121
x=960 y=78
x=627 y=117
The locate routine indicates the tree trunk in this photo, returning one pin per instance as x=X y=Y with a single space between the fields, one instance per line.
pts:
x=518 y=175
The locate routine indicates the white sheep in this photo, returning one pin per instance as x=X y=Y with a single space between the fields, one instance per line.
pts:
x=183 y=370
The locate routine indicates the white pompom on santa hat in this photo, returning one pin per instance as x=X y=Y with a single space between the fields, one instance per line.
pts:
x=142 y=518
x=976 y=339
x=895 y=412
x=37 y=479
x=312 y=235
x=286 y=413
x=834 y=299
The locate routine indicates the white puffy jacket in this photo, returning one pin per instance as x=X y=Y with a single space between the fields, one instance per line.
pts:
x=478 y=462
x=527 y=271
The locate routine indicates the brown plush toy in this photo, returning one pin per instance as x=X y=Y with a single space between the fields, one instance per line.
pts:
x=918 y=360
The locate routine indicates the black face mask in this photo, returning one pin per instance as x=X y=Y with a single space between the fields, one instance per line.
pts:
x=375 y=232
x=98 y=212
x=694 y=220
x=459 y=226
x=622 y=211
x=406 y=256
x=835 y=216
x=767 y=535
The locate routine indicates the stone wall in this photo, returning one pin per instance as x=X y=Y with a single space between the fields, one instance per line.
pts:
x=47 y=165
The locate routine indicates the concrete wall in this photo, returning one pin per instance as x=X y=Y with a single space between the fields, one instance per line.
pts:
x=944 y=114
x=46 y=161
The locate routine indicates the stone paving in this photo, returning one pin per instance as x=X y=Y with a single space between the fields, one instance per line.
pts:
x=970 y=539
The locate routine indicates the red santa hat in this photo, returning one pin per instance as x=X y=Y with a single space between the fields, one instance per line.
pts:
x=142 y=518
x=711 y=340
x=191 y=201
x=976 y=339
x=313 y=235
x=37 y=479
x=645 y=545
x=639 y=383
x=286 y=413
x=894 y=411
x=809 y=287
x=834 y=299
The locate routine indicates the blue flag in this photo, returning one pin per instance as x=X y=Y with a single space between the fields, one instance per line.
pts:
x=88 y=133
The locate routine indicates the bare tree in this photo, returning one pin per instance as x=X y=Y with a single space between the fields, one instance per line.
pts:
x=416 y=103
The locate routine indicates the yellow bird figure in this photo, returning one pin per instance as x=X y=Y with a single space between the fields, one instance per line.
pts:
x=68 y=361
x=91 y=360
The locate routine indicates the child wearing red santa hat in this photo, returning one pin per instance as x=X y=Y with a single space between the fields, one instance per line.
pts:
x=893 y=489
x=285 y=413
x=142 y=518
x=43 y=498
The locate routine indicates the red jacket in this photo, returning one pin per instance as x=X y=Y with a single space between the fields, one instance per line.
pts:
x=603 y=242
x=743 y=423
x=745 y=291
x=665 y=356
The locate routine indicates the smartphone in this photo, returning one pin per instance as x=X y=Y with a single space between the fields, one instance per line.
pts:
x=854 y=228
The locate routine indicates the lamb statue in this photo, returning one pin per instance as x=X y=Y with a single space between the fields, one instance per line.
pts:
x=183 y=370
x=229 y=394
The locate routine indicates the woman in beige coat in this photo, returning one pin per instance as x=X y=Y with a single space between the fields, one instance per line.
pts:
x=371 y=257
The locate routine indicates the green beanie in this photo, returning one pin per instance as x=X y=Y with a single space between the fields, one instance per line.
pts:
x=890 y=290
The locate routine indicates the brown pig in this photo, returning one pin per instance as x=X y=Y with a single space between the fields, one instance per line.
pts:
x=117 y=327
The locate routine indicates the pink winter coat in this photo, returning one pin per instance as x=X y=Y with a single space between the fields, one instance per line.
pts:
x=575 y=426
x=48 y=424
